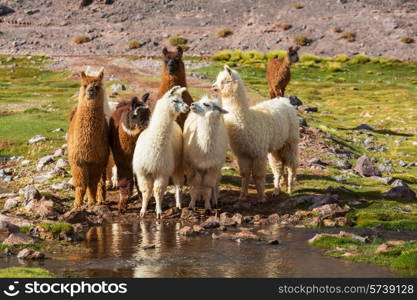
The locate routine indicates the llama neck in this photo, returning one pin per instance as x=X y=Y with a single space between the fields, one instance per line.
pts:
x=237 y=104
x=127 y=126
x=161 y=125
x=172 y=80
x=286 y=64
x=207 y=129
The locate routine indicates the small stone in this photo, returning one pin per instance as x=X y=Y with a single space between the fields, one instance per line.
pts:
x=343 y=164
x=7 y=228
x=60 y=186
x=295 y=101
x=383 y=248
x=211 y=222
x=46 y=160
x=148 y=247
x=61 y=163
x=238 y=218
x=118 y=87
x=307 y=108
x=364 y=127
x=273 y=218
x=366 y=167
x=302 y=122
x=385 y=180
x=273 y=242
x=59 y=152
x=75 y=216
x=11 y=203
x=29 y=193
x=36 y=139
x=186 y=231
x=30 y=254
x=186 y=213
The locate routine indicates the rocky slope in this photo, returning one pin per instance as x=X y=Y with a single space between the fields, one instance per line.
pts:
x=50 y=27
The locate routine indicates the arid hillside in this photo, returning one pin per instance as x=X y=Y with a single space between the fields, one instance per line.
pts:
x=130 y=27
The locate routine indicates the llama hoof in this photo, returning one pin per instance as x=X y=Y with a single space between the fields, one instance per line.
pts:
x=276 y=192
x=191 y=207
x=159 y=216
x=142 y=214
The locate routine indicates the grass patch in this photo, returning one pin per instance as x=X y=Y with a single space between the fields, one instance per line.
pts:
x=359 y=59
x=57 y=228
x=302 y=40
x=81 y=39
x=401 y=258
x=20 y=272
x=177 y=41
x=225 y=32
x=334 y=66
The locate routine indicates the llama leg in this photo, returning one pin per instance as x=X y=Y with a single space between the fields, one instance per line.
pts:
x=215 y=192
x=210 y=186
x=79 y=197
x=194 y=193
x=145 y=186
x=194 y=181
x=91 y=194
x=258 y=173
x=272 y=94
x=160 y=186
x=207 y=191
x=101 y=189
x=277 y=169
x=178 y=179
x=245 y=165
x=123 y=194
x=290 y=159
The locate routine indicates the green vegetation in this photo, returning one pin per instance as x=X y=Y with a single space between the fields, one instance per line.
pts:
x=301 y=40
x=400 y=257
x=19 y=272
x=81 y=39
x=225 y=32
x=134 y=44
x=178 y=41
x=57 y=228
x=29 y=94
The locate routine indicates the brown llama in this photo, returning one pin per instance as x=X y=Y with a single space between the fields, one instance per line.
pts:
x=126 y=124
x=278 y=73
x=88 y=147
x=173 y=74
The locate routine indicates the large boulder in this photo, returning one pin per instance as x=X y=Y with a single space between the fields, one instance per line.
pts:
x=18 y=238
x=366 y=167
x=6 y=229
x=30 y=254
x=400 y=190
x=42 y=208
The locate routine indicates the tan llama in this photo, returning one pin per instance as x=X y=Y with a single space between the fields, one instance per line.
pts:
x=278 y=73
x=88 y=146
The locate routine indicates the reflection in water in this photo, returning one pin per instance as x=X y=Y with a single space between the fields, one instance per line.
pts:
x=119 y=250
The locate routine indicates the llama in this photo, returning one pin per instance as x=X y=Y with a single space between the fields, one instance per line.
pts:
x=266 y=130
x=88 y=147
x=173 y=74
x=278 y=73
x=126 y=123
x=204 y=150
x=158 y=151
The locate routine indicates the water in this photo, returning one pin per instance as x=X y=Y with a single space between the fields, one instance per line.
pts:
x=118 y=251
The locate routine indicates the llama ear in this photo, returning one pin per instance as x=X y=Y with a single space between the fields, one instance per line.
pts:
x=82 y=75
x=145 y=97
x=290 y=49
x=134 y=102
x=220 y=109
x=174 y=90
x=101 y=74
x=165 y=51
x=227 y=68
x=297 y=48
x=180 y=51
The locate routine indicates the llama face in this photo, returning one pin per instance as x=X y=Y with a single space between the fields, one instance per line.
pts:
x=173 y=60
x=207 y=107
x=91 y=86
x=176 y=103
x=139 y=113
x=293 y=54
x=227 y=82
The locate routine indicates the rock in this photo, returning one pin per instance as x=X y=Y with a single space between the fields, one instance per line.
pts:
x=225 y=220
x=198 y=229
x=238 y=218
x=264 y=232
x=273 y=218
x=398 y=182
x=57 y=171
x=186 y=213
x=30 y=193
x=7 y=228
x=341 y=178
x=402 y=163
x=58 y=152
x=315 y=200
x=343 y=164
x=273 y=242
x=42 y=177
x=61 y=163
x=30 y=254
x=385 y=180
x=11 y=203
x=118 y=87
x=341 y=221
x=331 y=210
x=340 y=189
x=42 y=208
x=18 y=238
x=147 y=247
x=295 y=101
x=316 y=161
x=364 y=127
x=211 y=222
x=246 y=235
x=366 y=168
x=7 y=195
x=60 y=186
x=186 y=231
x=383 y=248
x=18 y=221
x=75 y=216
x=25 y=162
x=31 y=11
x=302 y=122
x=307 y=108
x=58 y=130
x=5 y=10
x=400 y=192
x=46 y=160
x=340 y=234
x=36 y=139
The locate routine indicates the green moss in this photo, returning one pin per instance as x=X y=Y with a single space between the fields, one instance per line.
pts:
x=310 y=57
x=177 y=41
x=334 y=67
x=331 y=242
x=57 y=228
x=276 y=54
x=341 y=58
x=359 y=59
x=20 y=272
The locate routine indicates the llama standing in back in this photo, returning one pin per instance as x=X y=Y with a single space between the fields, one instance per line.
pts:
x=158 y=151
x=278 y=73
x=126 y=124
x=266 y=130
x=205 y=146
x=88 y=147
x=173 y=74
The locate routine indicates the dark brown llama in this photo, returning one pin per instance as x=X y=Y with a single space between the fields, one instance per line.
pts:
x=278 y=73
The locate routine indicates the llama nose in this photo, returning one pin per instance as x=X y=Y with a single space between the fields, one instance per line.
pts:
x=214 y=87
